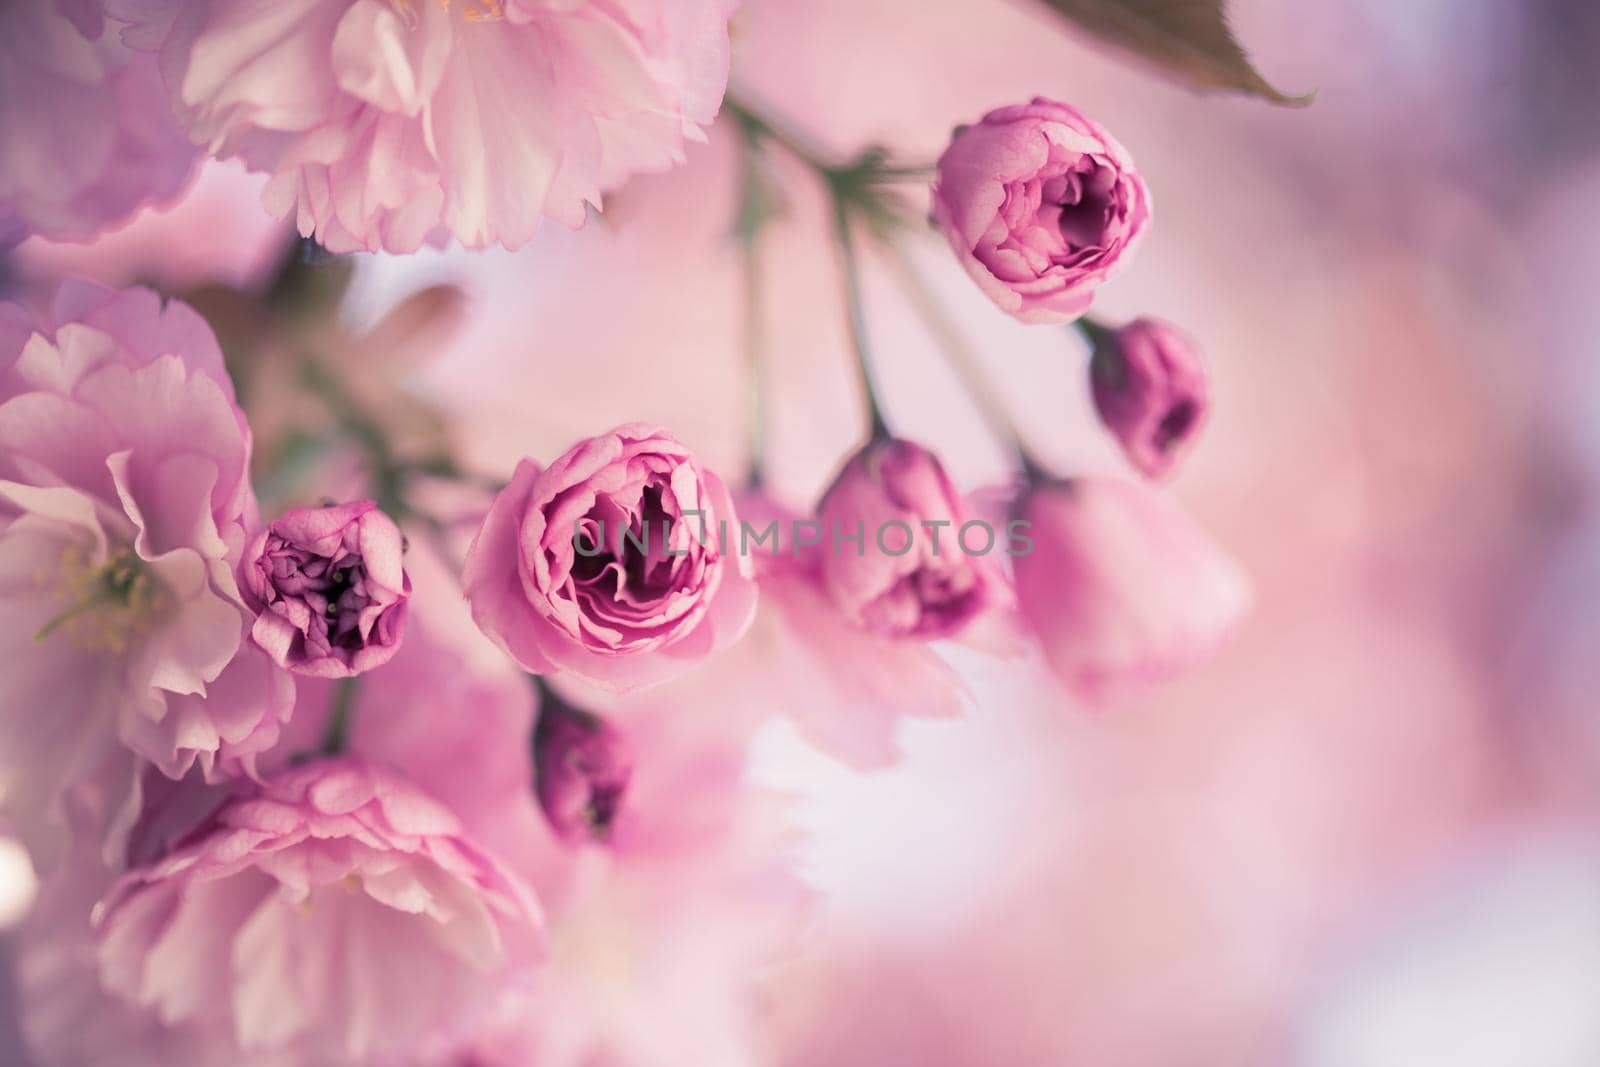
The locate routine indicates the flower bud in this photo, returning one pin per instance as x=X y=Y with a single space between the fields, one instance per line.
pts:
x=1041 y=206
x=895 y=556
x=582 y=766
x=329 y=589
x=1122 y=587
x=1150 y=390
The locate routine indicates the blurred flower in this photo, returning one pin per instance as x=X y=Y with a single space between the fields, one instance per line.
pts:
x=385 y=125
x=656 y=941
x=658 y=945
x=1493 y=959
x=581 y=770
x=18 y=884
x=371 y=925
x=653 y=588
x=322 y=397
x=1041 y=206
x=214 y=231
x=329 y=589
x=1121 y=586
x=86 y=137
x=906 y=572
x=123 y=502
x=68 y=1019
x=1150 y=390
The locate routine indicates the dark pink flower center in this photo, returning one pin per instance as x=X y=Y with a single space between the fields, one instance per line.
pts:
x=635 y=564
x=334 y=590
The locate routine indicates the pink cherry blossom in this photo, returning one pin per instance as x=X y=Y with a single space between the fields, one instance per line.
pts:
x=1150 y=390
x=329 y=589
x=1041 y=206
x=386 y=123
x=86 y=135
x=906 y=572
x=123 y=502
x=611 y=563
x=338 y=910
x=1121 y=586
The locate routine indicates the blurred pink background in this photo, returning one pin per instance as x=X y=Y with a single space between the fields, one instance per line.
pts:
x=1366 y=834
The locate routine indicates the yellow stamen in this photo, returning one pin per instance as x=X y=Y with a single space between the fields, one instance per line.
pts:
x=473 y=10
x=109 y=603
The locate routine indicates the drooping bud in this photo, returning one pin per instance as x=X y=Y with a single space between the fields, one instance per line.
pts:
x=1122 y=588
x=1150 y=390
x=897 y=555
x=582 y=765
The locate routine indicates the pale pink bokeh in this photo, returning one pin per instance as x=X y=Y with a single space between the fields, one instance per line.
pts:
x=1390 y=287
x=85 y=135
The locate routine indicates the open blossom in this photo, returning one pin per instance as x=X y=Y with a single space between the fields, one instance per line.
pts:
x=907 y=571
x=1041 y=206
x=338 y=910
x=123 y=501
x=86 y=134
x=329 y=588
x=1150 y=390
x=387 y=122
x=1122 y=587
x=611 y=562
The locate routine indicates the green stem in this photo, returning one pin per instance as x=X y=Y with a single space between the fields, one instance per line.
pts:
x=754 y=209
x=309 y=280
x=848 y=187
x=1096 y=333
x=439 y=533
x=918 y=173
x=388 y=474
x=754 y=329
x=963 y=360
x=855 y=313
x=336 y=734
x=550 y=700
x=758 y=124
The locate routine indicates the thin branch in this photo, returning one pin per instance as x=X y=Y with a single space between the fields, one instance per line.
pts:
x=850 y=269
x=962 y=359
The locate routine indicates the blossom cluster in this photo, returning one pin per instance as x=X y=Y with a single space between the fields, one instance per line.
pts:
x=394 y=774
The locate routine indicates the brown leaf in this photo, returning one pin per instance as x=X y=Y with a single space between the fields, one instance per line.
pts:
x=1189 y=39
